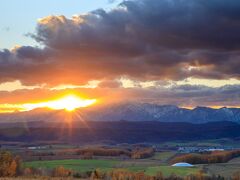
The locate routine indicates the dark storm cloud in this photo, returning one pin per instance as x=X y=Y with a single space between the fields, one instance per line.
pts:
x=5 y=56
x=23 y=55
x=26 y=63
x=141 y=39
x=166 y=23
x=28 y=52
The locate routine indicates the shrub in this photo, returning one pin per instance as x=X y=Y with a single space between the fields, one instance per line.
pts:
x=9 y=165
x=61 y=172
x=142 y=153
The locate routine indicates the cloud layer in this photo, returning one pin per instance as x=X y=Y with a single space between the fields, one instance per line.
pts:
x=184 y=95
x=142 y=40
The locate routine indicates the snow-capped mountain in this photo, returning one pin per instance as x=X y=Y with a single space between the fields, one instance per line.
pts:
x=163 y=113
x=129 y=112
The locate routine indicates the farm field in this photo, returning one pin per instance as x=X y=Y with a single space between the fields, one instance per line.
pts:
x=223 y=169
x=163 y=156
x=168 y=170
x=105 y=165
x=49 y=157
x=74 y=164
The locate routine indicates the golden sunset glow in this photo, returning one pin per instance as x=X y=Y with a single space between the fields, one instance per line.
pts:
x=68 y=103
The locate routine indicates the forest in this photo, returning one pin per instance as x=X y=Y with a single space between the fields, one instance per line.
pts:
x=208 y=158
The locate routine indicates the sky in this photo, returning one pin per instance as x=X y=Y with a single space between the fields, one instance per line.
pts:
x=18 y=18
x=177 y=52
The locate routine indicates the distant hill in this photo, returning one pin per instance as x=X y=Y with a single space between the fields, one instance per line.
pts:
x=117 y=131
x=131 y=112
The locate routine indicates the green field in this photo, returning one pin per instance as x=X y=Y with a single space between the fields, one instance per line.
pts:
x=163 y=156
x=168 y=170
x=224 y=169
x=74 y=164
x=105 y=165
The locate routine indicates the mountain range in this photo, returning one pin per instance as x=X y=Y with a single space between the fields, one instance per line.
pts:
x=161 y=113
x=121 y=123
x=131 y=112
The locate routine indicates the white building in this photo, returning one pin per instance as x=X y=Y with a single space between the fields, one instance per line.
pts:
x=182 y=164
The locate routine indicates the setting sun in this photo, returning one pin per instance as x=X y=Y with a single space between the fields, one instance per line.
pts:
x=69 y=103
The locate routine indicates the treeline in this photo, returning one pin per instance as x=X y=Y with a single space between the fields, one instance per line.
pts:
x=89 y=153
x=214 y=157
x=142 y=153
x=104 y=152
x=137 y=153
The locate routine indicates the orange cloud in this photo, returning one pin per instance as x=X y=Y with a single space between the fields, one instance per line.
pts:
x=181 y=95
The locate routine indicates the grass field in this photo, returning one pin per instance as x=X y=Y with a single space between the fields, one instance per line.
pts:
x=105 y=165
x=163 y=156
x=168 y=170
x=224 y=169
x=74 y=164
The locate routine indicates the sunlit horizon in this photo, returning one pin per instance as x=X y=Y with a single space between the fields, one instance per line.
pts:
x=69 y=103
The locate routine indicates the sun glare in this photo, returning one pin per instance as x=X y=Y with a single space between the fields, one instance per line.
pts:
x=69 y=103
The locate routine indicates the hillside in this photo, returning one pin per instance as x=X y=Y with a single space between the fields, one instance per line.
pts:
x=117 y=132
